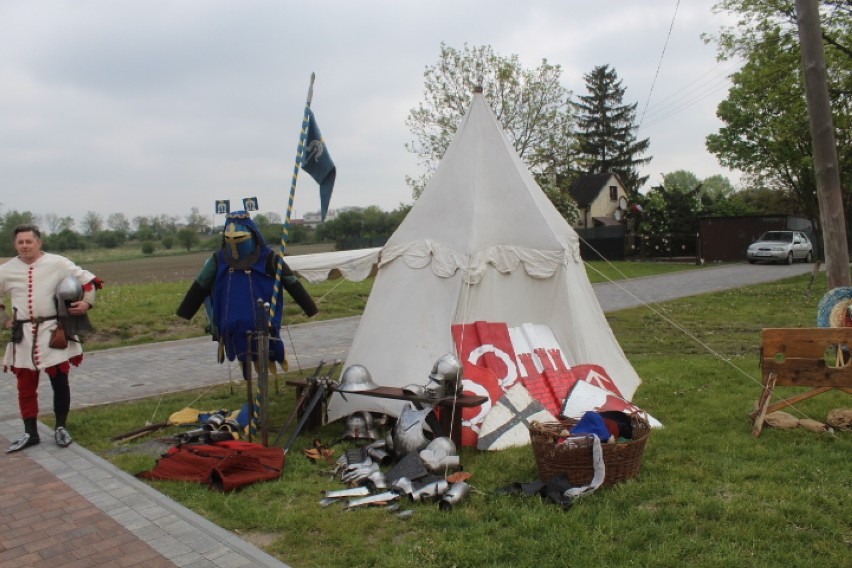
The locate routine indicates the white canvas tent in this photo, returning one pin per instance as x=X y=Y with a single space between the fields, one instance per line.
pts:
x=482 y=242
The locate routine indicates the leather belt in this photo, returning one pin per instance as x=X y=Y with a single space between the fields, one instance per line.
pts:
x=40 y=319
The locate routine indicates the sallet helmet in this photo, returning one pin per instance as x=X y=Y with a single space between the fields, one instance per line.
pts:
x=446 y=368
x=69 y=289
x=445 y=376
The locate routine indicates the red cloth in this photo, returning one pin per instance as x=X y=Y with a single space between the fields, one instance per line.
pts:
x=224 y=465
x=486 y=351
x=597 y=376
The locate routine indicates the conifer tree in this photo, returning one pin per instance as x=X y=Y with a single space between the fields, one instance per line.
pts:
x=606 y=131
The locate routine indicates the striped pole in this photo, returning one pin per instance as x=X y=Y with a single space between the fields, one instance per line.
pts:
x=257 y=407
x=285 y=228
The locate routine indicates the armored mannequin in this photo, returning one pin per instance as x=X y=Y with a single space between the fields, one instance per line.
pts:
x=231 y=282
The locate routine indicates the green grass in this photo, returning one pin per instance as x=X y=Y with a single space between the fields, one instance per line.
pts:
x=606 y=271
x=133 y=314
x=708 y=494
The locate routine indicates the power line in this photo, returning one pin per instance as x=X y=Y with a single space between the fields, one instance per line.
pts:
x=708 y=80
x=679 y=106
x=659 y=65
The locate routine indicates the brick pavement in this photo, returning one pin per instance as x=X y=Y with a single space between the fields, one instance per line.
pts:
x=46 y=523
x=68 y=508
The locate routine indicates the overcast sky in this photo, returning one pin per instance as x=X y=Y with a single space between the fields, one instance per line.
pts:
x=157 y=106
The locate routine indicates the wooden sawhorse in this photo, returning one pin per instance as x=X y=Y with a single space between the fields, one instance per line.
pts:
x=802 y=357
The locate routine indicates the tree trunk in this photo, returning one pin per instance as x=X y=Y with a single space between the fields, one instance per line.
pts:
x=824 y=145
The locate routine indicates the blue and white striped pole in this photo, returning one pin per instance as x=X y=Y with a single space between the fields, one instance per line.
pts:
x=285 y=228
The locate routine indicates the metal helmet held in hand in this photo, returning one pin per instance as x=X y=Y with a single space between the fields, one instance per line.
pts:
x=69 y=289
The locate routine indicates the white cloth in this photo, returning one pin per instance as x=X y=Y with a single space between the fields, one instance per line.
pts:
x=354 y=265
x=598 y=476
x=32 y=288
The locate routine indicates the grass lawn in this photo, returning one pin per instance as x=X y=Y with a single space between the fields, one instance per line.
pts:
x=708 y=494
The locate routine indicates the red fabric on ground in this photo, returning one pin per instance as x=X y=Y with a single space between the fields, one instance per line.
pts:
x=224 y=465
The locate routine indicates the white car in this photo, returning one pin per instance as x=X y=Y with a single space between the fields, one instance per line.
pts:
x=781 y=246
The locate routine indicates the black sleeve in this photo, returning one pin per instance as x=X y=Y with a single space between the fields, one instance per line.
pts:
x=193 y=300
x=201 y=287
x=300 y=295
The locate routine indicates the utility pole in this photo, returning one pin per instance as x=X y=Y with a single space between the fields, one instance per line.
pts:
x=824 y=145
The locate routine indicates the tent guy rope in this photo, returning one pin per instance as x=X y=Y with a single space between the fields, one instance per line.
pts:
x=678 y=326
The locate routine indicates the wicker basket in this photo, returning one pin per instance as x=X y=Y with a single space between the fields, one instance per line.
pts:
x=622 y=459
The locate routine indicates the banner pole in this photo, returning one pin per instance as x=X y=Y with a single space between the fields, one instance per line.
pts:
x=259 y=407
x=285 y=228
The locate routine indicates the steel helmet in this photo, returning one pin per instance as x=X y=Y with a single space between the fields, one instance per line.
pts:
x=356 y=378
x=445 y=376
x=359 y=426
x=442 y=446
x=446 y=368
x=69 y=289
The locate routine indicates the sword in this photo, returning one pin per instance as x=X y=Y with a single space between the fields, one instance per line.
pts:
x=249 y=390
x=262 y=334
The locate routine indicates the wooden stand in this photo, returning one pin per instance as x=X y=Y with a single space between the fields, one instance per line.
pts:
x=304 y=391
x=450 y=419
x=797 y=357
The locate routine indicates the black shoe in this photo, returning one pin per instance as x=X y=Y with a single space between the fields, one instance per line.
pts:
x=63 y=438
x=24 y=441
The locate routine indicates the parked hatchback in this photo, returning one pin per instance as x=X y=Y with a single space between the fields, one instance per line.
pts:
x=781 y=246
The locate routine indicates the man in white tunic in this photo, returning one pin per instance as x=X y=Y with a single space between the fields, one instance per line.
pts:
x=33 y=280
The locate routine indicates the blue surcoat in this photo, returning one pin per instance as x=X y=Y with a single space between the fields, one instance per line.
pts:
x=235 y=310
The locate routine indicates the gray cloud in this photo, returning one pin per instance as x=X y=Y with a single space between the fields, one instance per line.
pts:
x=160 y=106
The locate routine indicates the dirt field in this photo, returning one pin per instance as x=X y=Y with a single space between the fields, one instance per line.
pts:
x=167 y=268
x=142 y=270
x=145 y=270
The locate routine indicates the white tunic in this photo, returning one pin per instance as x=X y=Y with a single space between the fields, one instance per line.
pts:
x=32 y=288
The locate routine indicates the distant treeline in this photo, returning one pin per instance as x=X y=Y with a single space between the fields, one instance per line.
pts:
x=354 y=227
